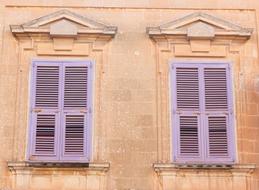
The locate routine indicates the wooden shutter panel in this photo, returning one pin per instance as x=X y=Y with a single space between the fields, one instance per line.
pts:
x=218 y=138
x=187 y=85
x=185 y=107
x=202 y=113
x=76 y=111
x=218 y=111
x=44 y=116
x=189 y=136
x=216 y=94
x=45 y=134
x=75 y=90
x=74 y=135
x=47 y=86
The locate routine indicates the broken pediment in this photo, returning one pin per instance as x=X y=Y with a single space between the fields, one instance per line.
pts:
x=200 y=26
x=63 y=23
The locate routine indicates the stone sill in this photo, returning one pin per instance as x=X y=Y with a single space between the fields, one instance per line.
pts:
x=241 y=169
x=43 y=167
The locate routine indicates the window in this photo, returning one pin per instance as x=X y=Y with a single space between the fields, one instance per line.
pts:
x=60 y=118
x=202 y=113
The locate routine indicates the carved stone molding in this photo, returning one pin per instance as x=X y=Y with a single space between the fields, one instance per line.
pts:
x=200 y=35
x=63 y=33
x=63 y=23
x=49 y=168
x=85 y=175
x=199 y=26
x=173 y=169
x=174 y=176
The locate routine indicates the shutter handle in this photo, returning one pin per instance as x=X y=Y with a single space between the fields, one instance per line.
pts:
x=37 y=110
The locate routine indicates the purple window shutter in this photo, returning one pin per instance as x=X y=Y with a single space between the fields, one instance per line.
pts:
x=186 y=105
x=75 y=87
x=218 y=110
x=218 y=139
x=47 y=86
x=216 y=94
x=189 y=136
x=45 y=134
x=202 y=113
x=76 y=112
x=44 y=116
x=187 y=86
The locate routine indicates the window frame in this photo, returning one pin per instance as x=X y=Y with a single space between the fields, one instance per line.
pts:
x=174 y=126
x=61 y=128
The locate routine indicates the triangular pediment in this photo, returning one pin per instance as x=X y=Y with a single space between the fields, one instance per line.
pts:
x=200 y=25
x=64 y=22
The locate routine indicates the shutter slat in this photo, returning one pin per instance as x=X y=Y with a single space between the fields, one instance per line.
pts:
x=218 y=138
x=74 y=135
x=187 y=88
x=75 y=87
x=189 y=138
x=216 y=94
x=47 y=86
x=45 y=134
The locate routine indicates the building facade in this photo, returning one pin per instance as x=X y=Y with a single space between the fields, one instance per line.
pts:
x=129 y=95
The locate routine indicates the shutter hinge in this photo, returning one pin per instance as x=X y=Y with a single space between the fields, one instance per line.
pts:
x=178 y=111
x=91 y=65
x=83 y=111
x=36 y=110
x=197 y=113
x=89 y=110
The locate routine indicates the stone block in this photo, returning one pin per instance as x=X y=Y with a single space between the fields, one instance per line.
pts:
x=93 y=182
x=185 y=50
x=63 y=28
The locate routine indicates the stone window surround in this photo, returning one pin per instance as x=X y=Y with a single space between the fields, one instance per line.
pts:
x=27 y=42
x=196 y=36
x=80 y=38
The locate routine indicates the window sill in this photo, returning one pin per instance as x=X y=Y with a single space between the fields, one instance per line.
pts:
x=174 y=169
x=50 y=168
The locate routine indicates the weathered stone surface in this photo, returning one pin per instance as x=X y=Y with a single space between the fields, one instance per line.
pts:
x=132 y=125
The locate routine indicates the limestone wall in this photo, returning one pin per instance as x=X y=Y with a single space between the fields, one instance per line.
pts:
x=131 y=97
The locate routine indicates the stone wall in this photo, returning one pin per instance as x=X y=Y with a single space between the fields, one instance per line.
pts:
x=132 y=135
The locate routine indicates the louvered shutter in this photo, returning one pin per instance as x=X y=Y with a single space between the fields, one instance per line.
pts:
x=44 y=113
x=186 y=107
x=76 y=110
x=218 y=111
x=202 y=113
